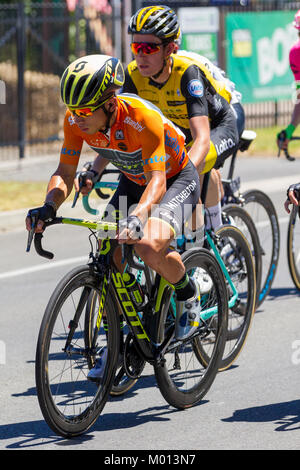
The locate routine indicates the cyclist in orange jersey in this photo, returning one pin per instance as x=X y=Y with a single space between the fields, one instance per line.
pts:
x=157 y=176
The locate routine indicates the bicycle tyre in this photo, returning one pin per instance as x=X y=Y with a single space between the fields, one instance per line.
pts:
x=240 y=316
x=264 y=215
x=170 y=381
x=53 y=404
x=245 y=223
x=293 y=254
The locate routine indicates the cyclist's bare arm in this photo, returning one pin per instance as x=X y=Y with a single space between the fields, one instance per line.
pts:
x=288 y=132
x=200 y=130
x=59 y=188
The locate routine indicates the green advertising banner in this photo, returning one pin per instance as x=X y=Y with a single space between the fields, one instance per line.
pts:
x=257 y=54
x=205 y=44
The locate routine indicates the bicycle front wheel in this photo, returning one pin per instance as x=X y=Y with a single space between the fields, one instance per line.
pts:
x=181 y=378
x=263 y=213
x=122 y=382
x=69 y=402
x=293 y=246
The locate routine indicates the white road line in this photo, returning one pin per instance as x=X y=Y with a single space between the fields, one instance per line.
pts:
x=43 y=267
x=269 y=185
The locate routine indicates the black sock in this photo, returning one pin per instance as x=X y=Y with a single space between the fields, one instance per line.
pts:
x=185 y=288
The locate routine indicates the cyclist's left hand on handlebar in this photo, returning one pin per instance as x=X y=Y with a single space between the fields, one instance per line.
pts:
x=39 y=215
x=130 y=230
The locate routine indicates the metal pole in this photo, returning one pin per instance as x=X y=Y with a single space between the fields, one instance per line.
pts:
x=21 y=51
x=126 y=36
x=117 y=28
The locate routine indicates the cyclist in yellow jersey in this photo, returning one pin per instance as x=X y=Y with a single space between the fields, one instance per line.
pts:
x=160 y=182
x=185 y=91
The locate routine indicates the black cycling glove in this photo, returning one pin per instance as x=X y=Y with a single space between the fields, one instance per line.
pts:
x=45 y=213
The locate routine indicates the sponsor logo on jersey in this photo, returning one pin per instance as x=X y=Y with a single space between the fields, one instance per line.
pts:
x=155 y=159
x=71 y=120
x=175 y=103
x=225 y=144
x=122 y=146
x=195 y=88
x=172 y=142
x=136 y=125
x=70 y=152
x=119 y=134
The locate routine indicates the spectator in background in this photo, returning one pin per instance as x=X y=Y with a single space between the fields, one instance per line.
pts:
x=284 y=136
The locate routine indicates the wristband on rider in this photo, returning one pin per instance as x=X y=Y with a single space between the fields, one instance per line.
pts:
x=289 y=131
x=52 y=204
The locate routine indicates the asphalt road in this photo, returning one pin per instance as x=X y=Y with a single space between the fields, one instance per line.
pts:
x=253 y=405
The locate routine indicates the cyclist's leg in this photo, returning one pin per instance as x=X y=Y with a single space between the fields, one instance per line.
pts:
x=224 y=141
x=125 y=197
x=165 y=223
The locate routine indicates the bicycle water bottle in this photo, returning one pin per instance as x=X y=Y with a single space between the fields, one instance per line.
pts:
x=134 y=289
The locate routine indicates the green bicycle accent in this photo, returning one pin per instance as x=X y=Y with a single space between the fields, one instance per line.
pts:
x=234 y=297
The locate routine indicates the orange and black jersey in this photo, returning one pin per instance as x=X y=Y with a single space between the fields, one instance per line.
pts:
x=190 y=91
x=141 y=140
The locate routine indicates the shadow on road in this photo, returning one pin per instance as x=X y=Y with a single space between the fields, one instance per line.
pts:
x=286 y=415
x=37 y=433
x=283 y=292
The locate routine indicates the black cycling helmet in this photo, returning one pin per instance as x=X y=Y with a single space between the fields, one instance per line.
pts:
x=89 y=79
x=158 y=20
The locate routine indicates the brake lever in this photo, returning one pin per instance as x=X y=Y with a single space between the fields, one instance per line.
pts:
x=34 y=220
x=80 y=180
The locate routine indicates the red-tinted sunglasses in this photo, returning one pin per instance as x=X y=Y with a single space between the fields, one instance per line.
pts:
x=85 y=112
x=145 y=47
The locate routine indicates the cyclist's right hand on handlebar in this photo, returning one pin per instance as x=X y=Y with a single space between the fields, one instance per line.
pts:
x=282 y=140
x=293 y=196
x=38 y=216
x=85 y=181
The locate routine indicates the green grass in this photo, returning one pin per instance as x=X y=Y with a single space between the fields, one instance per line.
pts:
x=22 y=195
x=265 y=143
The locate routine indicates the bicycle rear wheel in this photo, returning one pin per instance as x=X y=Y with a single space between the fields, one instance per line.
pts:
x=181 y=378
x=236 y=254
x=293 y=246
x=69 y=402
x=263 y=213
x=243 y=221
